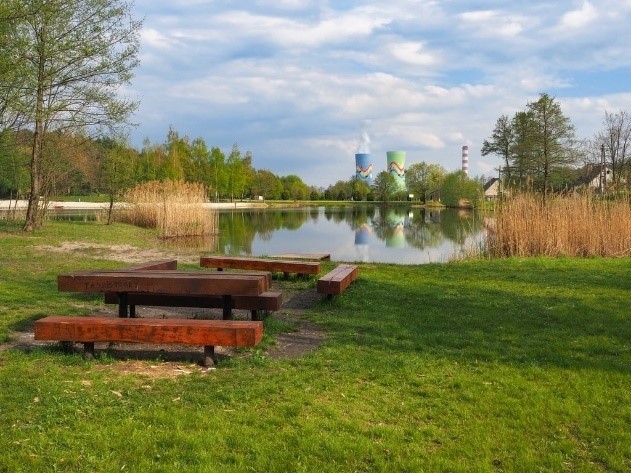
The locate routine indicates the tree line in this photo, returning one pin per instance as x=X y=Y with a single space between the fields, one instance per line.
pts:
x=62 y=123
x=540 y=151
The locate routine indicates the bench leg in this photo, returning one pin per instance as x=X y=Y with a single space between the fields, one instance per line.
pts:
x=88 y=351
x=122 y=304
x=132 y=311
x=227 y=307
x=209 y=356
x=255 y=314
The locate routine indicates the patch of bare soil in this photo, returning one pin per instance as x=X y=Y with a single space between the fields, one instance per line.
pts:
x=123 y=253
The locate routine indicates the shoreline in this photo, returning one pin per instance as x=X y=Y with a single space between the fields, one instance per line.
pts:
x=78 y=205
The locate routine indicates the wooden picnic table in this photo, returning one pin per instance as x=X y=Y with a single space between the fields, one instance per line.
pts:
x=122 y=282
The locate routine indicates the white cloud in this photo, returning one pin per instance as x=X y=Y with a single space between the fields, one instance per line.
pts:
x=580 y=17
x=292 y=80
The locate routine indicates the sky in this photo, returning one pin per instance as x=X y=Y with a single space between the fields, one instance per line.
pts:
x=304 y=84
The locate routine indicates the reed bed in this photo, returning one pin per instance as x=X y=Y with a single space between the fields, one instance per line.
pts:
x=577 y=225
x=175 y=208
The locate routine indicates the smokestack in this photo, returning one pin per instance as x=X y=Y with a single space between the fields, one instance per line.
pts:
x=465 y=160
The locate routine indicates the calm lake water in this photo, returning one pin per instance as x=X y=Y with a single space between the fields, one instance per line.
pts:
x=362 y=233
x=400 y=235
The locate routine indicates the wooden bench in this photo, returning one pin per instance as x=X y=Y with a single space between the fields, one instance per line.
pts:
x=337 y=280
x=207 y=333
x=261 y=264
x=267 y=301
x=163 y=264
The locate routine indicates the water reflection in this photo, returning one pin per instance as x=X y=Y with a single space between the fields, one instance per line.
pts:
x=363 y=233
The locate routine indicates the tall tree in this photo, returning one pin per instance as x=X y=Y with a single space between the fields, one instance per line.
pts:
x=501 y=143
x=550 y=140
x=424 y=179
x=117 y=160
x=72 y=57
x=616 y=138
x=385 y=186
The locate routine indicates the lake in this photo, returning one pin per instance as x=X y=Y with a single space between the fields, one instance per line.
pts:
x=400 y=235
x=367 y=233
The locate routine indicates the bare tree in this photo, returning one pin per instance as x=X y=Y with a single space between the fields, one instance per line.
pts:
x=616 y=137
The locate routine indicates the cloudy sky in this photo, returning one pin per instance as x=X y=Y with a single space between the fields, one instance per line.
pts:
x=297 y=82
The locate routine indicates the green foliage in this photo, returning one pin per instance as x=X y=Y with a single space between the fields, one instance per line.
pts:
x=537 y=145
x=385 y=186
x=71 y=57
x=424 y=180
x=458 y=190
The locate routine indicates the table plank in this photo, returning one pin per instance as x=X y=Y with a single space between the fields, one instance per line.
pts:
x=305 y=256
x=164 y=281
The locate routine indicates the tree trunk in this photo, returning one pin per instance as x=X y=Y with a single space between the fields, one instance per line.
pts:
x=33 y=220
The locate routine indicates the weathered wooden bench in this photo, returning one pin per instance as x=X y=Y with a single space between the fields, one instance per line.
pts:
x=261 y=264
x=336 y=281
x=162 y=264
x=207 y=333
x=267 y=301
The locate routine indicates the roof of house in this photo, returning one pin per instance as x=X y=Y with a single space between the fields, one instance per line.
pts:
x=490 y=183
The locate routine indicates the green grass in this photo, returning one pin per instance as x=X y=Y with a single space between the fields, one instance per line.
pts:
x=506 y=365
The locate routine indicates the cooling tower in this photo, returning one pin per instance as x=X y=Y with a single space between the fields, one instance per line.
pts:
x=396 y=167
x=363 y=167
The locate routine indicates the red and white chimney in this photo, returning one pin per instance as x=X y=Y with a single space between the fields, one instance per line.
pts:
x=465 y=160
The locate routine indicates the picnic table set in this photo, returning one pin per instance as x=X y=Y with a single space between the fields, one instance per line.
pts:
x=160 y=283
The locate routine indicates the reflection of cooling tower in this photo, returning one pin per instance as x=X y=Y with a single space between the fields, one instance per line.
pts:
x=395 y=236
x=363 y=167
x=362 y=235
x=396 y=167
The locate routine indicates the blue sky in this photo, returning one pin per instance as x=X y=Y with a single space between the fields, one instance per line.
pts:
x=297 y=82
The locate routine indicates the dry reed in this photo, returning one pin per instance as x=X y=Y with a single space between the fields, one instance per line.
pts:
x=578 y=225
x=174 y=208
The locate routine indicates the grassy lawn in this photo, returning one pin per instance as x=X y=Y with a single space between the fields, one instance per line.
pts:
x=505 y=365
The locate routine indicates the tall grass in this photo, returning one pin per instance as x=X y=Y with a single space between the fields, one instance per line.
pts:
x=577 y=225
x=174 y=208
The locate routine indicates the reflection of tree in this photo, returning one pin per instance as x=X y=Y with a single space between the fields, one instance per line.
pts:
x=419 y=228
x=238 y=228
x=424 y=230
x=457 y=226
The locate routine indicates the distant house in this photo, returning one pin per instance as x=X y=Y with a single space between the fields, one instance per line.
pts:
x=492 y=189
x=589 y=177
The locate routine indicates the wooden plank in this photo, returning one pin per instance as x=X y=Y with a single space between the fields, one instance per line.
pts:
x=163 y=264
x=180 y=331
x=169 y=282
x=266 y=301
x=337 y=280
x=261 y=264
x=304 y=256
